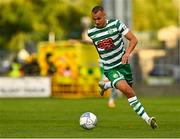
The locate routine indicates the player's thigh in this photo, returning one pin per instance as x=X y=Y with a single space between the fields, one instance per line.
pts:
x=114 y=76
x=127 y=73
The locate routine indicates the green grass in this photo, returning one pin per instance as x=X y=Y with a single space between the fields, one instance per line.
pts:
x=23 y=118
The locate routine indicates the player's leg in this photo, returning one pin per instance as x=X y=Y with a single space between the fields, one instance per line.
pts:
x=119 y=78
x=115 y=93
x=123 y=86
x=112 y=97
x=104 y=86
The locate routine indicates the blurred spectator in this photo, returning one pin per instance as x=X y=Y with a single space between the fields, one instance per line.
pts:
x=52 y=68
x=15 y=69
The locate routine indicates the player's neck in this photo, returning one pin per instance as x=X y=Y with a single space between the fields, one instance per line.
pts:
x=104 y=24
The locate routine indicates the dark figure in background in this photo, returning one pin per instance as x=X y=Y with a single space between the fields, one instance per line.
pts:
x=52 y=68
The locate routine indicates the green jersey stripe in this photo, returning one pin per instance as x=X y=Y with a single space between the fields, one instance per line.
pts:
x=121 y=30
x=118 y=38
x=118 y=50
x=112 y=59
x=118 y=24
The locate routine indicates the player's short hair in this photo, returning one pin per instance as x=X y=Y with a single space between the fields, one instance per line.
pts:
x=97 y=8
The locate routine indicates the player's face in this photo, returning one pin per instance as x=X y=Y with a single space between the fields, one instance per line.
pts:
x=99 y=19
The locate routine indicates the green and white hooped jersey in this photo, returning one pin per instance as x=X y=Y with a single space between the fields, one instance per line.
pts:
x=109 y=42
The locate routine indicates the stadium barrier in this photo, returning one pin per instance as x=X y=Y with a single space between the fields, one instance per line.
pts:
x=25 y=87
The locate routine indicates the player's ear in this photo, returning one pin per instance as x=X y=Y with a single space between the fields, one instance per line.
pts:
x=104 y=14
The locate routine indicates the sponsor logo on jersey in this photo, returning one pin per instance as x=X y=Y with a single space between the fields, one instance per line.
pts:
x=106 y=44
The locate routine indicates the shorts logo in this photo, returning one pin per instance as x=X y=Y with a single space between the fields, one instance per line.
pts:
x=115 y=75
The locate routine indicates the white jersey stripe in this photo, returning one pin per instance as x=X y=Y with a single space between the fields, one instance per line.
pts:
x=112 y=52
x=110 y=67
x=118 y=57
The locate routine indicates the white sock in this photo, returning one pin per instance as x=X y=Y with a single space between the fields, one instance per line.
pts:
x=111 y=100
x=138 y=108
x=107 y=85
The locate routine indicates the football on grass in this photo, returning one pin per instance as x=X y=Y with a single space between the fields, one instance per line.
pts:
x=88 y=120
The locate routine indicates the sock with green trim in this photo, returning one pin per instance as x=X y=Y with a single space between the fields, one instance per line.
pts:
x=138 y=108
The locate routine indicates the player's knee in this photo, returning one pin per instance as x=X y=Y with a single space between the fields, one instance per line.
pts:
x=125 y=88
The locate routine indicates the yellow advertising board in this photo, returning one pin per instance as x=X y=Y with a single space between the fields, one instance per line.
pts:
x=73 y=67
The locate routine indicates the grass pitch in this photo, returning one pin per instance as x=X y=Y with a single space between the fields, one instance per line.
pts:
x=48 y=118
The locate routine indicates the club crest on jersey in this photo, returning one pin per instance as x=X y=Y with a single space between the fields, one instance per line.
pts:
x=110 y=31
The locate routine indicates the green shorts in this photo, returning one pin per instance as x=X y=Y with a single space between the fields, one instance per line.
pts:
x=122 y=72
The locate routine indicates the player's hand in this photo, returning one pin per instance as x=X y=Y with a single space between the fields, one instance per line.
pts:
x=125 y=58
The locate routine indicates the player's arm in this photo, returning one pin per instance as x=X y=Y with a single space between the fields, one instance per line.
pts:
x=132 y=44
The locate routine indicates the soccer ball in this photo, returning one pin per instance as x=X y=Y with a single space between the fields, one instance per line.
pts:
x=88 y=120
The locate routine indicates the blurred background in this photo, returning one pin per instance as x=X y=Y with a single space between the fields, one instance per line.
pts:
x=44 y=50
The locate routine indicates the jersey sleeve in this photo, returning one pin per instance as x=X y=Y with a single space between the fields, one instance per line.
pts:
x=122 y=28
